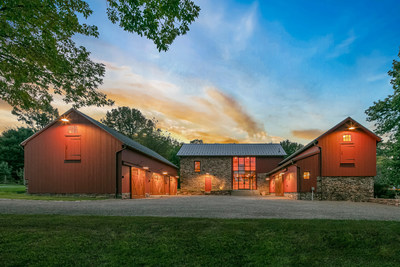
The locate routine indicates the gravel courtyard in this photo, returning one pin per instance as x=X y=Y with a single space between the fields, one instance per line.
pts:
x=207 y=207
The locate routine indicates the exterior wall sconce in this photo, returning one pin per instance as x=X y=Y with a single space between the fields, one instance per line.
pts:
x=145 y=168
x=165 y=173
x=65 y=120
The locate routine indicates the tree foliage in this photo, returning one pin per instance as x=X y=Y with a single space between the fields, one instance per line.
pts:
x=290 y=147
x=11 y=151
x=132 y=123
x=39 y=59
x=36 y=120
x=386 y=116
x=159 y=20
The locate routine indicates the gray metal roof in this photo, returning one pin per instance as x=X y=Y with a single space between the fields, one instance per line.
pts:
x=231 y=150
x=128 y=142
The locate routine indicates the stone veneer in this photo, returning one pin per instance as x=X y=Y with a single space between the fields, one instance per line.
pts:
x=218 y=168
x=345 y=188
x=262 y=184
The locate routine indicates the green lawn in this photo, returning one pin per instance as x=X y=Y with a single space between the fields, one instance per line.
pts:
x=38 y=240
x=19 y=192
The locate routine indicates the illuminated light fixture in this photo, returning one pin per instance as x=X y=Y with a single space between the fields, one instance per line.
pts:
x=207 y=173
x=145 y=168
x=352 y=128
x=177 y=176
x=65 y=120
x=165 y=173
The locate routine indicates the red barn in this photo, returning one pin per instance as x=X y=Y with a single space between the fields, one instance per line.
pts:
x=338 y=165
x=76 y=154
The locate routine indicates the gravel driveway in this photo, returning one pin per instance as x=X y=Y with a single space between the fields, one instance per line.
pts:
x=208 y=207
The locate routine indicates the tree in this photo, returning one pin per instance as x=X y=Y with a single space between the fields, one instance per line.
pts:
x=39 y=59
x=36 y=120
x=132 y=123
x=5 y=172
x=196 y=141
x=290 y=147
x=10 y=150
x=386 y=116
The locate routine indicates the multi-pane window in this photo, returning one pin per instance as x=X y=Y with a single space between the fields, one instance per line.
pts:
x=347 y=138
x=306 y=175
x=197 y=166
x=244 y=173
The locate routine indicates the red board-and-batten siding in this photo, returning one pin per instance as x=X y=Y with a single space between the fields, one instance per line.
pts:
x=324 y=158
x=47 y=171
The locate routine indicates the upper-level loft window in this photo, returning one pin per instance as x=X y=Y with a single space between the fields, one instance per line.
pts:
x=306 y=175
x=73 y=148
x=72 y=129
x=197 y=166
x=347 y=138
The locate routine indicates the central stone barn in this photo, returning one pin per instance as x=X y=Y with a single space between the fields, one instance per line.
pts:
x=223 y=168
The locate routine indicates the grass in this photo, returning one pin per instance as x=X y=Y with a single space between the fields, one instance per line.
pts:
x=19 y=192
x=55 y=240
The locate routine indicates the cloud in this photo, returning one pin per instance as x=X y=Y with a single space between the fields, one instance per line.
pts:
x=207 y=113
x=308 y=134
x=343 y=47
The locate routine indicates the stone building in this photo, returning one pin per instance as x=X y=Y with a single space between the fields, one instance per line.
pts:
x=223 y=168
x=338 y=165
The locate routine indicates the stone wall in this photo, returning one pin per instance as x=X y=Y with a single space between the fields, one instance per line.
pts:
x=218 y=168
x=390 y=202
x=345 y=188
x=262 y=184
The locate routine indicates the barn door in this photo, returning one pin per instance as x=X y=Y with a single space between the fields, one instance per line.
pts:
x=137 y=183
x=173 y=186
x=207 y=184
x=157 y=184
x=279 y=185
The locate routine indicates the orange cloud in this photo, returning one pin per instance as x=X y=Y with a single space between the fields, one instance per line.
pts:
x=308 y=134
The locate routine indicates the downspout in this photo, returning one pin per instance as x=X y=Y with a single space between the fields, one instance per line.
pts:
x=118 y=170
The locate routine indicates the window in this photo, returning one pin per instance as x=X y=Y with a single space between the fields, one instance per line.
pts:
x=244 y=173
x=73 y=148
x=347 y=138
x=197 y=166
x=72 y=129
x=306 y=175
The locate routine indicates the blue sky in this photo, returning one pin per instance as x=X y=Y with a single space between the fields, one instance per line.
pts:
x=254 y=71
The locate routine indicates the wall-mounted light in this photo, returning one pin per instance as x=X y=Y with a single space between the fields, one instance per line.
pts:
x=65 y=120
x=145 y=168
x=352 y=128
x=165 y=173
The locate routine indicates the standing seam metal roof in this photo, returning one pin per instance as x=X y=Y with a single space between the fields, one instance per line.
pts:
x=231 y=150
x=128 y=142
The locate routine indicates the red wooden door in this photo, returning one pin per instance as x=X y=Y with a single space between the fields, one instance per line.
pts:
x=347 y=154
x=157 y=185
x=137 y=183
x=166 y=184
x=279 y=185
x=173 y=186
x=207 y=184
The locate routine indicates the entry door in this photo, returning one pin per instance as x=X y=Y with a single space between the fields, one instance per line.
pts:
x=279 y=185
x=173 y=186
x=207 y=185
x=137 y=183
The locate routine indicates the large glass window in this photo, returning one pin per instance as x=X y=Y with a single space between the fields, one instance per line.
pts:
x=244 y=173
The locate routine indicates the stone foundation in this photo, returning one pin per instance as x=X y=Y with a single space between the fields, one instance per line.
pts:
x=345 y=188
x=125 y=195
x=195 y=193
x=390 y=202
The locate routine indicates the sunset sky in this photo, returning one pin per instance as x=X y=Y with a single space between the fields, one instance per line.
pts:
x=251 y=71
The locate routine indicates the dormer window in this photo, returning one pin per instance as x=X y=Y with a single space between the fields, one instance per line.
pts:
x=347 y=138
